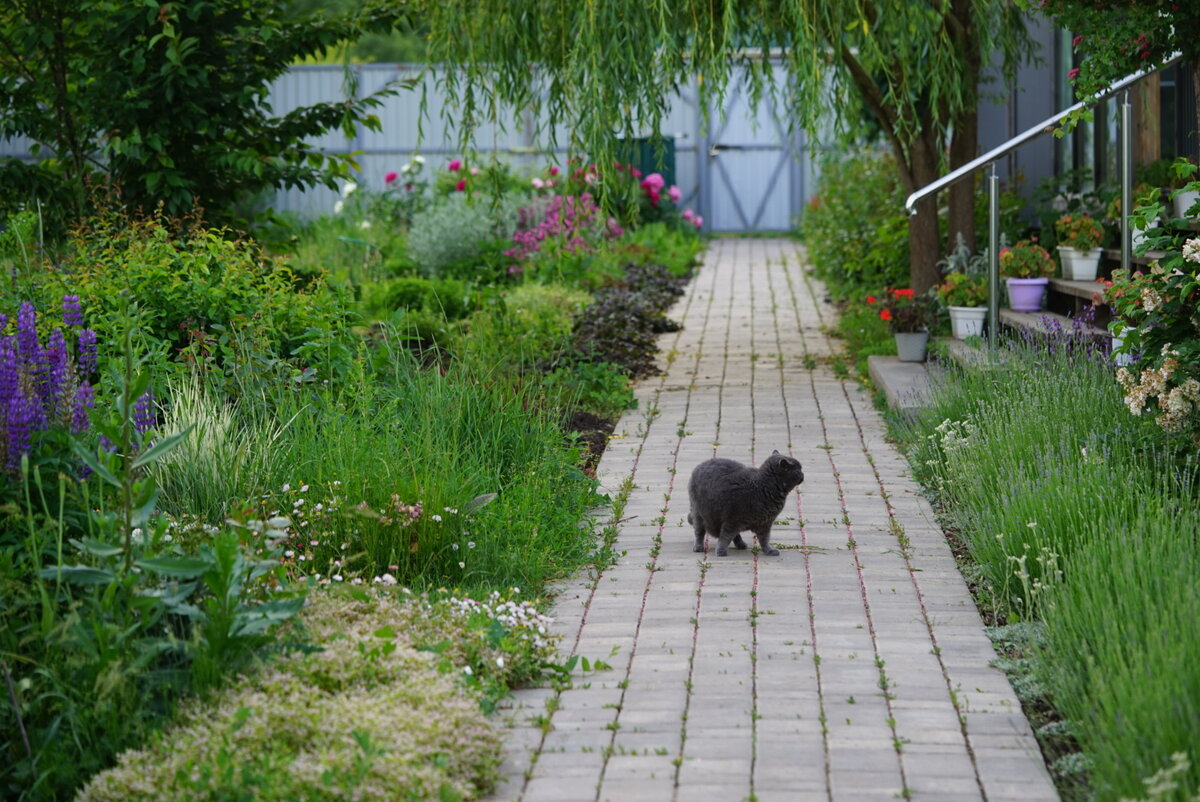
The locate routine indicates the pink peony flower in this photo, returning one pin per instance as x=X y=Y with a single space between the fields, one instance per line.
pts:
x=390 y=177
x=553 y=170
x=688 y=214
x=454 y=166
x=654 y=182
x=538 y=183
x=654 y=196
x=698 y=221
x=461 y=185
x=674 y=194
x=635 y=172
x=1073 y=73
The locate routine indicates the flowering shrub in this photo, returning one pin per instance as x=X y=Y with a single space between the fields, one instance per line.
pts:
x=1079 y=231
x=557 y=228
x=959 y=289
x=1155 y=315
x=1026 y=259
x=43 y=386
x=904 y=310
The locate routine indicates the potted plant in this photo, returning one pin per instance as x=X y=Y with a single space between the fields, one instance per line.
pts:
x=1079 y=238
x=1026 y=267
x=1139 y=231
x=965 y=296
x=1185 y=191
x=908 y=316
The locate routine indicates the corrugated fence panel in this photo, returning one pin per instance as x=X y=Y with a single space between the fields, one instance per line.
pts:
x=741 y=176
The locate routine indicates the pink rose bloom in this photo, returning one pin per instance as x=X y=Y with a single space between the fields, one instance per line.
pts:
x=688 y=214
x=538 y=183
x=474 y=171
x=454 y=166
x=390 y=177
x=654 y=181
x=674 y=194
x=635 y=172
x=698 y=221
x=461 y=185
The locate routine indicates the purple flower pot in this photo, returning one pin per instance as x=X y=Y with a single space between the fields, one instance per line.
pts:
x=1026 y=294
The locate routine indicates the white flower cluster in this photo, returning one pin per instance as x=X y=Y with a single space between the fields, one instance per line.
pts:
x=521 y=619
x=1191 y=250
x=1175 y=403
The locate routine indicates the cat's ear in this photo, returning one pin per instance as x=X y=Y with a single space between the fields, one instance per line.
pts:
x=775 y=453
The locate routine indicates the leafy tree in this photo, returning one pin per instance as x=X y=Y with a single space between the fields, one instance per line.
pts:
x=167 y=101
x=610 y=67
x=1116 y=37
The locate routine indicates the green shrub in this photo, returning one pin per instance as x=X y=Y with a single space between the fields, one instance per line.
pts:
x=452 y=298
x=529 y=324
x=197 y=290
x=855 y=228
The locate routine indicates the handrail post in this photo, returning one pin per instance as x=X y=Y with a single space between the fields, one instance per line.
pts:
x=993 y=257
x=1126 y=178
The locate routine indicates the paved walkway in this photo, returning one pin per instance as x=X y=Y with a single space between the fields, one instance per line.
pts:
x=852 y=667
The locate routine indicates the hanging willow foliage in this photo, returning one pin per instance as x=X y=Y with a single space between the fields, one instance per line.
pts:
x=599 y=69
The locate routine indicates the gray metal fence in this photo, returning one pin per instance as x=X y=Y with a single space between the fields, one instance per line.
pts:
x=744 y=172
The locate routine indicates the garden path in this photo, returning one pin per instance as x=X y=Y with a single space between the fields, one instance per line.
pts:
x=853 y=666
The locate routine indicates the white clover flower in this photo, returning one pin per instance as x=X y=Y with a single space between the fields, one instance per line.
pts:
x=470 y=544
x=436 y=517
x=336 y=577
x=348 y=189
x=462 y=564
x=454 y=546
x=388 y=579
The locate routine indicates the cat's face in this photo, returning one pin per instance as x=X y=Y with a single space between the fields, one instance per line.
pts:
x=786 y=467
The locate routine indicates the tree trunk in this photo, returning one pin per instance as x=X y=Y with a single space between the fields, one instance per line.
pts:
x=920 y=168
x=964 y=138
x=963 y=148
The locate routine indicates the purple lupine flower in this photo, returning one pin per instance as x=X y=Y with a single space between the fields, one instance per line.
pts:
x=85 y=399
x=72 y=310
x=27 y=339
x=143 y=413
x=87 y=352
x=20 y=420
x=55 y=364
x=9 y=376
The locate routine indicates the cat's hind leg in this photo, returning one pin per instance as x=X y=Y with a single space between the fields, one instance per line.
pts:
x=698 y=528
x=723 y=542
x=738 y=543
x=764 y=542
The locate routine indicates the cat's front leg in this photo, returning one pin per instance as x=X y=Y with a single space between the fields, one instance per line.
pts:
x=764 y=542
x=698 y=527
x=723 y=543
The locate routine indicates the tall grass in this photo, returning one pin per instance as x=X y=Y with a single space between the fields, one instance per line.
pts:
x=434 y=479
x=1082 y=517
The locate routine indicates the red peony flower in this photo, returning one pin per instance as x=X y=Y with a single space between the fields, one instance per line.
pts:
x=461 y=185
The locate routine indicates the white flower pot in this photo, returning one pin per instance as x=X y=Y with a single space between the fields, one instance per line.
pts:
x=1079 y=265
x=967 y=321
x=1183 y=201
x=910 y=346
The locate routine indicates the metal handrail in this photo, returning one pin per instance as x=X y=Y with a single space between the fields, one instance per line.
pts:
x=1046 y=126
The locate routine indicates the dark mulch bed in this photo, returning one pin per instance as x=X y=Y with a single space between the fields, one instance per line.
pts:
x=592 y=432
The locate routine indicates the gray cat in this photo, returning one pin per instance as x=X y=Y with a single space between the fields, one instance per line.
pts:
x=729 y=498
